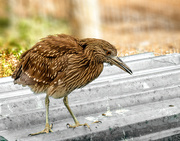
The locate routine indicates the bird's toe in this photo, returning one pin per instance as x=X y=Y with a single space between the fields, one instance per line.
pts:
x=77 y=124
x=48 y=129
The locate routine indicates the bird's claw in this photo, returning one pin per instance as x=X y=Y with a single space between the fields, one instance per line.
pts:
x=76 y=125
x=48 y=129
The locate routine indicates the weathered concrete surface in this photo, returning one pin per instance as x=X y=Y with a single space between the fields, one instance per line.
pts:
x=172 y=134
x=132 y=101
x=123 y=123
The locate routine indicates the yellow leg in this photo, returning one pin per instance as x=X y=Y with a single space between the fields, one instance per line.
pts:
x=48 y=128
x=65 y=100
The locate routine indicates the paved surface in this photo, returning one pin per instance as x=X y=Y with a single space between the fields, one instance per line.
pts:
x=144 y=106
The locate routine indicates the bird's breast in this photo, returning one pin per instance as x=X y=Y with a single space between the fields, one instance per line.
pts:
x=80 y=74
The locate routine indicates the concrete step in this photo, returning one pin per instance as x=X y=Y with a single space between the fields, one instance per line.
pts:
x=155 y=79
x=129 y=123
x=165 y=135
x=27 y=113
x=138 y=90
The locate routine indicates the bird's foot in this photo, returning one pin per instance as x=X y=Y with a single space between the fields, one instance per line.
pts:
x=48 y=128
x=77 y=124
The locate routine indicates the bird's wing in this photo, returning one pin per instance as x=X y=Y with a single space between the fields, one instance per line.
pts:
x=46 y=59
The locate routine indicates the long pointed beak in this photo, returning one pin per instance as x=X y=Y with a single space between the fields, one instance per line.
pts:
x=119 y=63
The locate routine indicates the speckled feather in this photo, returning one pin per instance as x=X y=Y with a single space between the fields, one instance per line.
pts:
x=58 y=64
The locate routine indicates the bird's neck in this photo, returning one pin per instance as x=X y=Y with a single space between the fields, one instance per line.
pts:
x=95 y=65
x=92 y=70
x=92 y=55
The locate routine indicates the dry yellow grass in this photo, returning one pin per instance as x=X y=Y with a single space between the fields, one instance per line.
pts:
x=158 y=42
x=137 y=26
x=7 y=64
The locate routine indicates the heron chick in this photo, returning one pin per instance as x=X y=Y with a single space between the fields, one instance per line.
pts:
x=59 y=64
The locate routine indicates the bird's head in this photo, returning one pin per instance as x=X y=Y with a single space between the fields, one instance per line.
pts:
x=103 y=51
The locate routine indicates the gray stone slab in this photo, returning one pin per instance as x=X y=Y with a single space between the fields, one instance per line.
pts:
x=172 y=134
x=123 y=123
x=58 y=111
x=155 y=82
x=130 y=90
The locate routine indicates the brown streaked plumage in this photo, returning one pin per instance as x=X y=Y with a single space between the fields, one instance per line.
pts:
x=59 y=64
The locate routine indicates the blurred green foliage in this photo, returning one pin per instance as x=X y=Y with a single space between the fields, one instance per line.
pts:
x=4 y=22
x=20 y=34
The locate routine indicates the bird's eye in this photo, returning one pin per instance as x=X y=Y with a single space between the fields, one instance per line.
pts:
x=108 y=53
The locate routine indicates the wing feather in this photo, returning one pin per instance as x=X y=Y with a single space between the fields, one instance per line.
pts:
x=46 y=59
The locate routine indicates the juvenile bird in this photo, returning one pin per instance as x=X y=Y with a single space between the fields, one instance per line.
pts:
x=59 y=64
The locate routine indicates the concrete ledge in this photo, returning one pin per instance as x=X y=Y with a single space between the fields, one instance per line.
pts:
x=138 y=106
x=125 y=123
x=166 y=135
